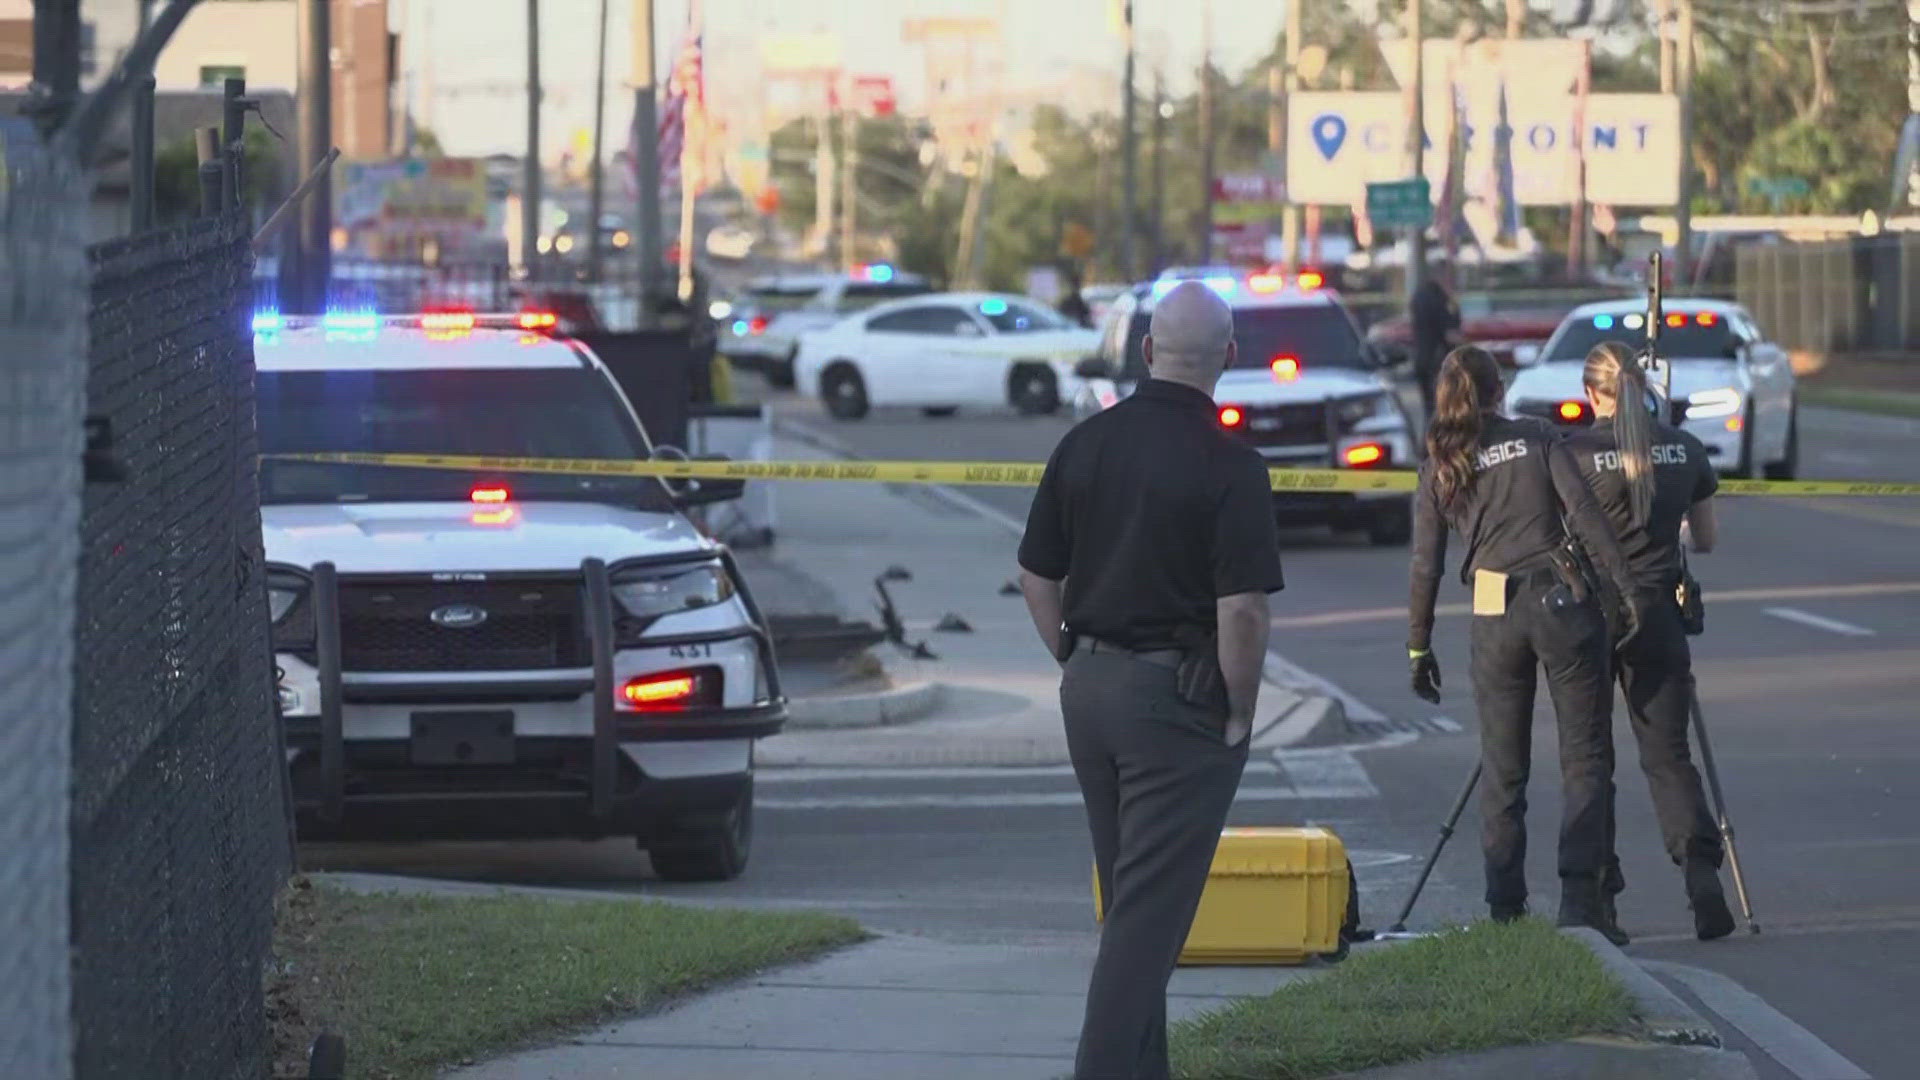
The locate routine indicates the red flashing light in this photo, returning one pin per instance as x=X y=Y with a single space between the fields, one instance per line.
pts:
x=492 y=495
x=499 y=515
x=1286 y=368
x=758 y=325
x=1735 y=423
x=660 y=692
x=447 y=321
x=1676 y=320
x=1311 y=279
x=1706 y=318
x=538 y=320
x=1359 y=457
x=1572 y=410
x=1266 y=283
x=1231 y=417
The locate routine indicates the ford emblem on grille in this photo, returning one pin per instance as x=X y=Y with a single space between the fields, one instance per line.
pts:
x=459 y=616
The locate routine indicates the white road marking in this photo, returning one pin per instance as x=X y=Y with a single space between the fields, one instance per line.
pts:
x=1328 y=774
x=1796 y=1049
x=1818 y=622
x=1447 y=724
x=1286 y=673
x=984 y=772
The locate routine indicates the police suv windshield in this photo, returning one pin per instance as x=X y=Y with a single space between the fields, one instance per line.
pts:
x=1697 y=336
x=1318 y=336
x=548 y=412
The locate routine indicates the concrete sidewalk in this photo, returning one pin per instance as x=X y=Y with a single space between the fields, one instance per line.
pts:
x=995 y=691
x=904 y=1006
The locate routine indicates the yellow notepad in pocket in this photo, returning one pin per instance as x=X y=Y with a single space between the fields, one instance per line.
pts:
x=1489 y=592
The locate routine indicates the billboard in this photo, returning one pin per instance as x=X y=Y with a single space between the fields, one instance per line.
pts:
x=443 y=197
x=1339 y=142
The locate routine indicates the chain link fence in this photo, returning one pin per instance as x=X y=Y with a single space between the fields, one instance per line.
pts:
x=43 y=306
x=180 y=830
x=1858 y=295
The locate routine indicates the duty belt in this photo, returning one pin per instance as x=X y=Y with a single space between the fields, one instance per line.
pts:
x=1169 y=658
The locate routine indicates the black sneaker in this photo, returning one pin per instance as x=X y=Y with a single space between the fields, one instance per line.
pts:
x=1583 y=903
x=1507 y=913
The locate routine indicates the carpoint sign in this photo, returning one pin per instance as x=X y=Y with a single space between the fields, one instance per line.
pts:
x=1338 y=143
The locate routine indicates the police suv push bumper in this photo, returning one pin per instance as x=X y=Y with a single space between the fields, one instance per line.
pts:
x=633 y=773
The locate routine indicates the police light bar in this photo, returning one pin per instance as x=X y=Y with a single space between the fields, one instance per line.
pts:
x=879 y=273
x=435 y=322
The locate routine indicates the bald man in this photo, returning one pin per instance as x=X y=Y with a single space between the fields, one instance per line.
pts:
x=1149 y=554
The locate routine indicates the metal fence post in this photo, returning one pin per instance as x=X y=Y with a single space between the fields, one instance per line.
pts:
x=233 y=134
x=141 y=166
x=207 y=143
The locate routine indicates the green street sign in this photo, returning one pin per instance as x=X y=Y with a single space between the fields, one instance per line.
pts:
x=1401 y=204
x=1778 y=187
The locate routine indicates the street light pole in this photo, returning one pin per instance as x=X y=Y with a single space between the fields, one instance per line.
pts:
x=596 y=189
x=313 y=260
x=1284 y=84
x=646 y=160
x=1129 y=149
x=1416 y=142
x=530 y=185
x=1683 y=210
x=1206 y=132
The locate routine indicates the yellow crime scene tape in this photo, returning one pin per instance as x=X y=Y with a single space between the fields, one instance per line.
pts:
x=984 y=473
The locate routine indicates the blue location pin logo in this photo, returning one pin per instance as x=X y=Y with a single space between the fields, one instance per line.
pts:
x=1329 y=134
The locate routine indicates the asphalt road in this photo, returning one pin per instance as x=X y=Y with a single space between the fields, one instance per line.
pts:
x=1807 y=673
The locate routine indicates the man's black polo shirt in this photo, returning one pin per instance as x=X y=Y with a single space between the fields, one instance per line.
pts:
x=1150 y=512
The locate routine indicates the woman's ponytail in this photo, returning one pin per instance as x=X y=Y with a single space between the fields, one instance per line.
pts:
x=1467 y=388
x=1612 y=372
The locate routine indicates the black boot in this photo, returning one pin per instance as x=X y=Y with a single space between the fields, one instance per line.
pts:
x=1711 y=917
x=1584 y=903
x=1507 y=913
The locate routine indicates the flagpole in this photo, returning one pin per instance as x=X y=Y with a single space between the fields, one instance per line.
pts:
x=695 y=115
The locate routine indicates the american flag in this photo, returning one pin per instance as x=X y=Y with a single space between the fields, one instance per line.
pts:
x=685 y=86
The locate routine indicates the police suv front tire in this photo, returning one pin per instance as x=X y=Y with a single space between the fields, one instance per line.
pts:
x=710 y=851
x=1033 y=389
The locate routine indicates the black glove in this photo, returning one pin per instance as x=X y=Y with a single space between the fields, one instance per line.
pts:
x=1426 y=674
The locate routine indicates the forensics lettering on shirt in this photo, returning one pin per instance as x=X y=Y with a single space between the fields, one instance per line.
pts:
x=1500 y=453
x=1661 y=453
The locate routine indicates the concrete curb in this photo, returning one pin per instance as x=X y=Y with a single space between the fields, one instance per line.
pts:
x=1659 y=1014
x=895 y=705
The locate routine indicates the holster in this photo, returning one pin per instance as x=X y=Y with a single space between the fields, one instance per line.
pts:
x=1199 y=680
x=1068 y=642
x=1693 y=606
x=1575 y=569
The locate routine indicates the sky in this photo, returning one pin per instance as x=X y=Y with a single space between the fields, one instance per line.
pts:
x=475 y=50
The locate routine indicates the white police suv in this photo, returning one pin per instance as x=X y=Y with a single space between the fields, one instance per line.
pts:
x=480 y=654
x=1735 y=388
x=1307 y=391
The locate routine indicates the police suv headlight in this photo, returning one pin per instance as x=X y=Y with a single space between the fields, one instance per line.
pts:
x=1360 y=409
x=663 y=591
x=1706 y=404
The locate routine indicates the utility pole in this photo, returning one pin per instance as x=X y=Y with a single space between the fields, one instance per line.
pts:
x=56 y=60
x=1664 y=13
x=1129 y=146
x=596 y=176
x=1683 y=211
x=1206 y=132
x=1283 y=84
x=824 y=187
x=314 y=243
x=849 y=180
x=1416 y=142
x=530 y=185
x=1161 y=107
x=646 y=160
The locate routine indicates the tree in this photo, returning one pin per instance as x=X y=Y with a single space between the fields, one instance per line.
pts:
x=176 y=176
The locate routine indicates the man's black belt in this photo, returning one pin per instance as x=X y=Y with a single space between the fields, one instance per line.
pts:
x=1168 y=658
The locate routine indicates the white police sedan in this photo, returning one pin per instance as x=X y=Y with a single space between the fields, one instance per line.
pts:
x=945 y=351
x=1736 y=387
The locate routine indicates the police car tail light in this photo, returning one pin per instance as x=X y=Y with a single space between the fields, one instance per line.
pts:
x=1232 y=417
x=1365 y=455
x=1286 y=368
x=1266 y=283
x=1310 y=280
x=1706 y=318
x=1571 y=412
x=538 y=320
x=673 y=690
x=1676 y=320
x=489 y=494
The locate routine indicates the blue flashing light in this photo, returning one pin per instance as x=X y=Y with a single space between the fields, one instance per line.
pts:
x=1603 y=322
x=740 y=328
x=993 y=305
x=266 y=322
x=881 y=273
x=1222 y=285
x=349 y=321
